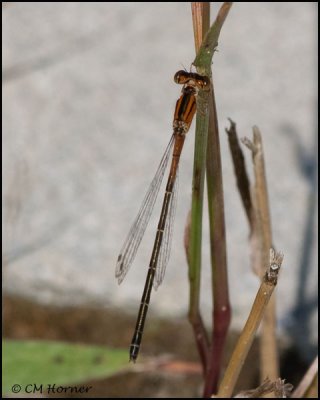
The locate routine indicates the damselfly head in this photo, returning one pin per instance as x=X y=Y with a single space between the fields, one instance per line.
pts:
x=192 y=79
x=181 y=77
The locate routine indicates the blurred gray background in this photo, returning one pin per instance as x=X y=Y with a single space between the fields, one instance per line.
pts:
x=88 y=100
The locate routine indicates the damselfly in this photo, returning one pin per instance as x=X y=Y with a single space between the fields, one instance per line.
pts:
x=183 y=115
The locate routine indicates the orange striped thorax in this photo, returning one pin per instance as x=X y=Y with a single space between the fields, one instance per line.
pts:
x=186 y=104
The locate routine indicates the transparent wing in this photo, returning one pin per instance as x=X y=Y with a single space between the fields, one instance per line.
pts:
x=167 y=237
x=132 y=242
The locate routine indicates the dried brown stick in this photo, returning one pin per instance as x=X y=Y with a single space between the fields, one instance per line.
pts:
x=240 y=171
x=201 y=21
x=246 y=338
x=261 y=242
x=307 y=380
x=260 y=194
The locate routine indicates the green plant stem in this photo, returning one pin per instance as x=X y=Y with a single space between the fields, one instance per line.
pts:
x=221 y=314
x=203 y=63
x=204 y=56
x=197 y=205
x=201 y=20
x=220 y=292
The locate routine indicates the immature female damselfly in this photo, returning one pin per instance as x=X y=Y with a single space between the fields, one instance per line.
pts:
x=183 y=115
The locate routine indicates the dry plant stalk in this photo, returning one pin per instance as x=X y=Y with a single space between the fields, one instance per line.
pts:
x=308 y=382
x=261 y=241
x=201 y=21
x=312 y=392
x=244 y=343
x=240 y=172
x=257 y=211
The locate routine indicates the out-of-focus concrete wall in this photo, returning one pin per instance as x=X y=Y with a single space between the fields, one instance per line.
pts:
x=88 y=100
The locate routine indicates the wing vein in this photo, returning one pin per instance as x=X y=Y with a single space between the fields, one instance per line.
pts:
x=167 y=237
